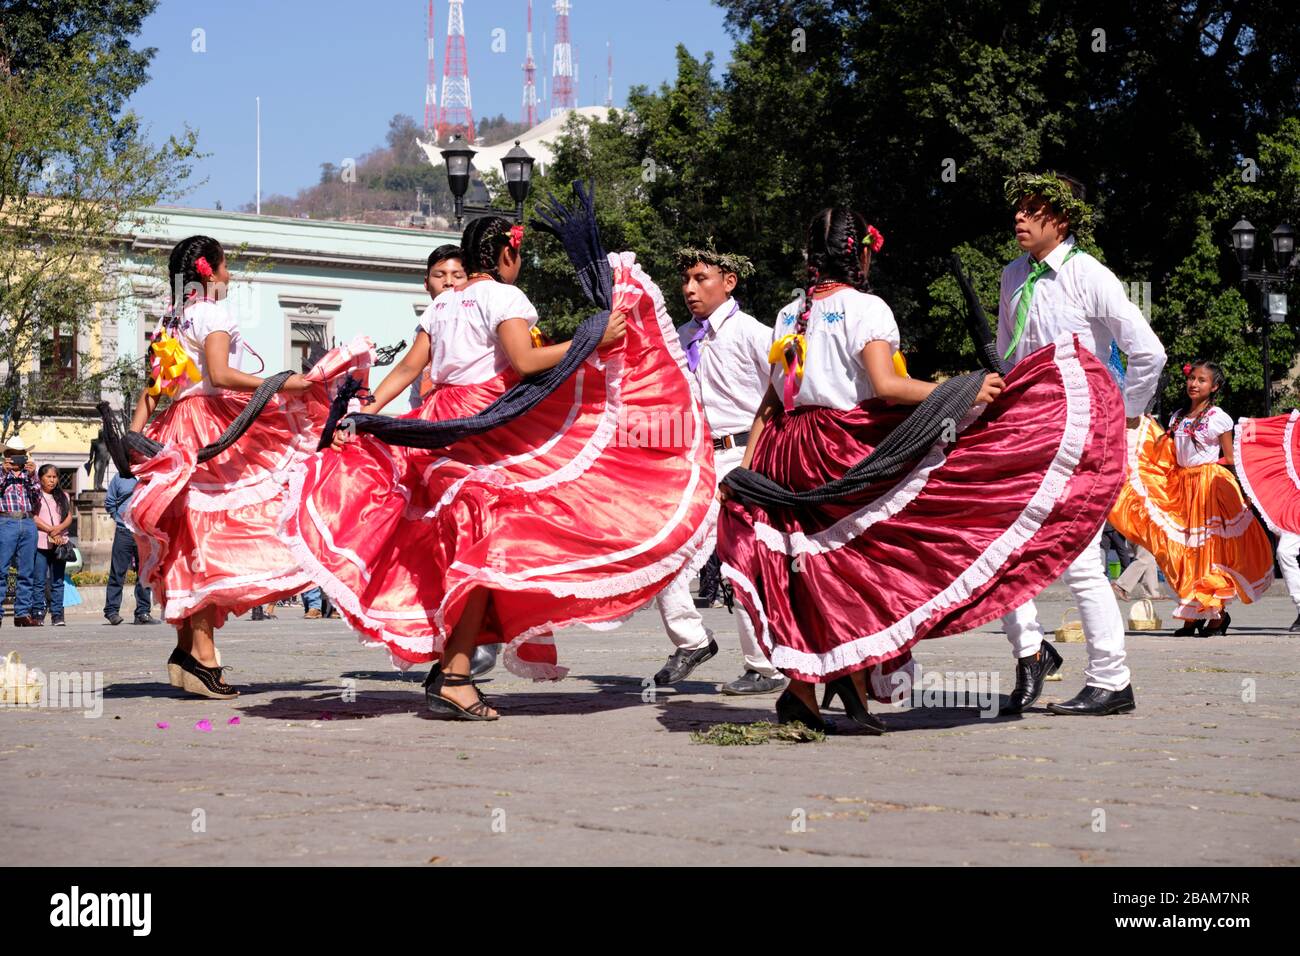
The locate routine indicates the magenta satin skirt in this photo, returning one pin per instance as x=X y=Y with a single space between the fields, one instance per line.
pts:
x=975 y=528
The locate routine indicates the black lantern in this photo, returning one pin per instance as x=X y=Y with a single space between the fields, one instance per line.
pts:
x=1274 y=302
x=1283 y=243
x=1243 y=240
x=516 y=164
x=518 y=168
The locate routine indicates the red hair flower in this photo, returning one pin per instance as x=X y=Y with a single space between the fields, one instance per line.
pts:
x=877 y=241
x=1187 y=369
x=516 y=236
x=202 y=268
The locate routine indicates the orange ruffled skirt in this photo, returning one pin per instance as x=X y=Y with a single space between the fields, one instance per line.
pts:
x=1196 y=524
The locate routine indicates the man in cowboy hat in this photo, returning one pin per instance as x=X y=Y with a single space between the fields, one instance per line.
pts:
x=19 y=494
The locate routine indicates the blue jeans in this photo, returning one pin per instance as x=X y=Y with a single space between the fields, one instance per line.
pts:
x=18 y=547
x=47 y=568
x=311 y=599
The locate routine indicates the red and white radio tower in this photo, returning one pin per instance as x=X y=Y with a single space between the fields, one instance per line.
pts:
x=530 y=76
x=431 y=86
x=455 y=113
x=561 y=62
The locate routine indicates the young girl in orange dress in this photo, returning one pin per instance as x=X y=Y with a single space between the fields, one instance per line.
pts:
x=1184 y=507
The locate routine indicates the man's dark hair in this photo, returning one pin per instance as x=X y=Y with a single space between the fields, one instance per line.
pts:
x=442 y=253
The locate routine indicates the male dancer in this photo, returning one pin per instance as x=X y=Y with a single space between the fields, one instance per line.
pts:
x=1056 y=289
x=1288 y=544
x=444 y=271
x=727 y=352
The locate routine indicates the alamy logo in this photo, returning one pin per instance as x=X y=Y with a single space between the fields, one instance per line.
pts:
x=103 y=909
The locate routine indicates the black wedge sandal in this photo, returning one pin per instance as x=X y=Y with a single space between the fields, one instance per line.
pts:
x=202 y=681
x=447 y=708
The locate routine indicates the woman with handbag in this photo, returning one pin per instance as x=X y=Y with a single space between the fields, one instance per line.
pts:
x=53 y=545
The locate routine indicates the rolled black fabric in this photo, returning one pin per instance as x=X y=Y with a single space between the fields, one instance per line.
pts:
x=977 y=323
x=577 y=231
x=946 y=405
x=121 y=447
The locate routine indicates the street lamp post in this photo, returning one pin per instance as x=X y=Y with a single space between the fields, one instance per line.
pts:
x=517 y=166
x=1274 y=303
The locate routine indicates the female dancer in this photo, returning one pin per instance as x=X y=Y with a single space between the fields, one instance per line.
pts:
x=1186 y=509
x=571 y=513
x=843 y=572
x=207 y=529
x=1267 y=451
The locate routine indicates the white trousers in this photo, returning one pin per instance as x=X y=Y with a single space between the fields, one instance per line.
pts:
x=682 y=619
x=1103 y=624
x=1288 y=545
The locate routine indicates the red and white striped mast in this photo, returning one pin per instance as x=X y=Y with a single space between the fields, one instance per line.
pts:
x=530 y=76
x=455 y=112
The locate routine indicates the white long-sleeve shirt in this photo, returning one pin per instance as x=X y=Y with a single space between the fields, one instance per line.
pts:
x=1082 y=297
x=733 y=370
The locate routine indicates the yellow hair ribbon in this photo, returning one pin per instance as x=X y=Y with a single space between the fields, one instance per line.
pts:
x=900 y=365
x=171 y=363
x=778 y=353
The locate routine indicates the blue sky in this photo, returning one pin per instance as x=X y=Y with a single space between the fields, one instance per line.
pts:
x=331 y=74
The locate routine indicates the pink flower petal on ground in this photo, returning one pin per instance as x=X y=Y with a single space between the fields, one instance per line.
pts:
x=233 y=721
x=204 y=725
x=163 y=725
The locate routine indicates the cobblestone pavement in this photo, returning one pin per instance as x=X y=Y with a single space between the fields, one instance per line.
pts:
x=587 y=771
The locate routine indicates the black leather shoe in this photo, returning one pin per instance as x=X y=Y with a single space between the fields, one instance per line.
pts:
x=1097 y=702
x=752 y=682
x=681 y=663
x=1030 y=674
x=483 y=659
x=147 y=619
x=114 y=618
x=790 y=709
x=1295 y=627
x=1217 y=627
x=1189 y=628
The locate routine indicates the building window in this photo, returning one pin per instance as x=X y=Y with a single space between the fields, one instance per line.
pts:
x=59 y=352
x=309 y=339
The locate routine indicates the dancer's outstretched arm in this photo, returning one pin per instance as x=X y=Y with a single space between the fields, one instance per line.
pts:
x=216 y=352
x=527 y=360
x=403 y=374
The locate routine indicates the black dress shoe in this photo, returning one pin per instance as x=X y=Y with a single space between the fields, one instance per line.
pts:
x=752 y=682
x=854 y=706
x=1189 y=628
x=1295 y=626
x=1097 y=702
x=790 y=709
x=681 y=663
x=147 y=619
x=1030 y=674
x=114 y=618
x=483 y=659
x=1217 y=627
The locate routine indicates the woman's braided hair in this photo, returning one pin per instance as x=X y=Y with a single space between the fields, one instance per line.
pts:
x=482 y=242
x=834 y=250
x=182 y=272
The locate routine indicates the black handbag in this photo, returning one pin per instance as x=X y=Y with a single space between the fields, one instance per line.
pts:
x=66 y=551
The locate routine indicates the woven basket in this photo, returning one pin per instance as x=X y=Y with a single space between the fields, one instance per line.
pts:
x=18 y=686
x=1143 y=617
x=1070 y=632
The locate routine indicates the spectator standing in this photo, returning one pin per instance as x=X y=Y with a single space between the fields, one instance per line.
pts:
x=18 y=496
x=125 y=557
x=53 y=519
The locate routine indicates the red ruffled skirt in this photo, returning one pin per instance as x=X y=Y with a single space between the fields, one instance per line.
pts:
x=973 y=530
x=1268 y=463
x=207 y=532
x=1196 y=524
x=578 y=512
